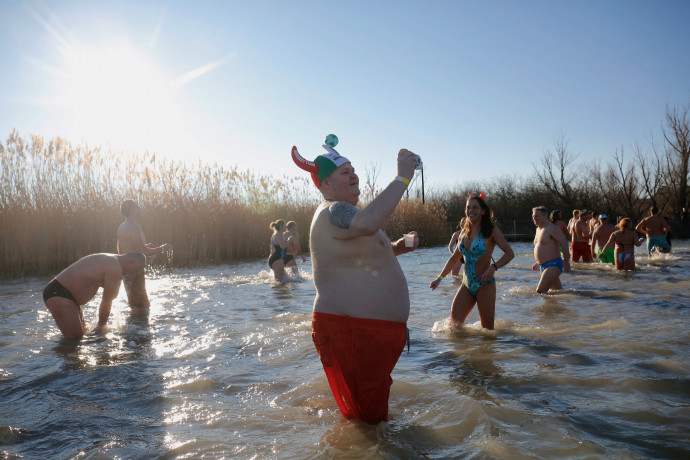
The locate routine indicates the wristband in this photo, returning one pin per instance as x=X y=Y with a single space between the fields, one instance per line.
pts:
x=404 y=180
x=439 y=277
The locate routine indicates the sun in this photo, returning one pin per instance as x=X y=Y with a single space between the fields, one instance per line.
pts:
x=118 y=94
x=111 y=88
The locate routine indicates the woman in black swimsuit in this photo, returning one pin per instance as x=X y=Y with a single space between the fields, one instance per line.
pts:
x=278 y=246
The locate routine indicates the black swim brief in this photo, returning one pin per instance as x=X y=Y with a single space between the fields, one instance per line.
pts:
x=55 y=289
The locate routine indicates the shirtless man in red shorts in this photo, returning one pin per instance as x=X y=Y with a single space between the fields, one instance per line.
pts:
x=581 y=236
x=362 y=301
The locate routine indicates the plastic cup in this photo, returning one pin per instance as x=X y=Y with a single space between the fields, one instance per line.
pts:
x=409 y=240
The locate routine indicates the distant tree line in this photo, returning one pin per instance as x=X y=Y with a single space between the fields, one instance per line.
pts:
x=625 y=185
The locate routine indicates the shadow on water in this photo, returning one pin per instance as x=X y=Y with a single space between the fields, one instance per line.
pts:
x=470 y=365
x=562 y=384
x=662 y=441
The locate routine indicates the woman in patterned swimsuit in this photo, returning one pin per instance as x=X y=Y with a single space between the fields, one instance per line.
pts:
x=478 y=238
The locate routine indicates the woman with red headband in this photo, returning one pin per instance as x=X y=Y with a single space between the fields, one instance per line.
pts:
x=478 y=238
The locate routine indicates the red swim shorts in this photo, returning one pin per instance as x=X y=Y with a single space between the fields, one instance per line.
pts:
x=358 y=356
x=581 y=248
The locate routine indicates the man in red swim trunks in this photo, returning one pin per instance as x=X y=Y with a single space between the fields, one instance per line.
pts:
x=362 y=301
x=581 y=236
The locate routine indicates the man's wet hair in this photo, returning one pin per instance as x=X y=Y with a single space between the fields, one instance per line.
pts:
x=655 y=210
x=127 y=207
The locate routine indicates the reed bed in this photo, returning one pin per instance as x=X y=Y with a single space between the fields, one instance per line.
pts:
x=60 y=202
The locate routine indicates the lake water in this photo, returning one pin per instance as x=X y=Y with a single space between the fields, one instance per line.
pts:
x=224 y=367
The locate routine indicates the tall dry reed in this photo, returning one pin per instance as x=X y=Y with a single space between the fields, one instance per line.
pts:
x=60 y=202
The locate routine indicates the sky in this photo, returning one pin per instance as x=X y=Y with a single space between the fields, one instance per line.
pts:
x=478 y=89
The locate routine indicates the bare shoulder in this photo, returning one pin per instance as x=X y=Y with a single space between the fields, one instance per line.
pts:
x=556 y=233
x=547 y=230
x=340 y=214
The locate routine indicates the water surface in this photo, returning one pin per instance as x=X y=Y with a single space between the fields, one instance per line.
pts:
x=224 y=367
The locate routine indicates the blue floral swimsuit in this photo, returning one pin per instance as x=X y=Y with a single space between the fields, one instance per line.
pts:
x=470 y=278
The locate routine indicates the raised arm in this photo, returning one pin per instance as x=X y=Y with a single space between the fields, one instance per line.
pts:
x=369 y=220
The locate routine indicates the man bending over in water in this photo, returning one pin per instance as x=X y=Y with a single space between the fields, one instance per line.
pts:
x=547 y=241
x=362 y=301
x=130 y=238
x=79 y=283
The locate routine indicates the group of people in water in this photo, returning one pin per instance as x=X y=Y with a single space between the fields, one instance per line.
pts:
x=362 y=304
x=285 y=249
x=594 y=236
x=589 y=237
x=474 y=241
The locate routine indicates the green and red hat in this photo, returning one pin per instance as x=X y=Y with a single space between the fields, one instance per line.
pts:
x=323 y=165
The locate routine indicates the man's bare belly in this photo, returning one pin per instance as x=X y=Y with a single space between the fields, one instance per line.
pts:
x=363 y=294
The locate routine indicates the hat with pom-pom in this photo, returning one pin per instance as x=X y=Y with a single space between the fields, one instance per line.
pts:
x=323 y=165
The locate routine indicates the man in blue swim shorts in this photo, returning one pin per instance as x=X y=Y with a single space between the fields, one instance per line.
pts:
x=656 y=228
x=547 y=241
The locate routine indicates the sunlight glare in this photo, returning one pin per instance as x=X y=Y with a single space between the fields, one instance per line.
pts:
x=115 y=93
